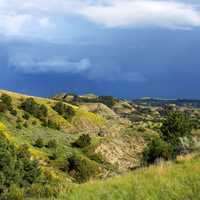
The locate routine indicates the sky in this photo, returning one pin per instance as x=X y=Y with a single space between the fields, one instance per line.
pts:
x=124 y=48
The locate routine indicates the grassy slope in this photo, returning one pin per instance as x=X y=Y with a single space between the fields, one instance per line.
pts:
x=65 y=136
x=82 y=119
x=180 y=181
x=177 y=181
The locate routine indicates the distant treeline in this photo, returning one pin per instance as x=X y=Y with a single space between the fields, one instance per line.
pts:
x=161 y=102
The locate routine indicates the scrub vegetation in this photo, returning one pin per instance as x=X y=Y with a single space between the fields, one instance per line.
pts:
x=88 y=147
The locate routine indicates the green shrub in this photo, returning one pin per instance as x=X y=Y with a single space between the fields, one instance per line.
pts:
x=157 y=149
x=3 y=107
x=25 y=125
x=176 y=126
x=42 y=111
x=31 y=170
x=35 y=109
x=39 y=143
x=53 y=125
x=19 y=126
x=97 y=157
x=53 y=156
x=81 y=168
x=107 y=100
x=141 y=129
x=59 y=108
x=66 y=111
x=26 y=116
x=7 y=100
x=16 y=168
x=13 y=112
x=83 y=141
x=34 y=122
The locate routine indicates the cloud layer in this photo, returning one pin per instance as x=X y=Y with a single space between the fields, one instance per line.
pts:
x=29 y=64
x=24 y=18
x=134 y=13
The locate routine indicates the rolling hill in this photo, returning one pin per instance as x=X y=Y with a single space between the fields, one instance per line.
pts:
x=97 y=140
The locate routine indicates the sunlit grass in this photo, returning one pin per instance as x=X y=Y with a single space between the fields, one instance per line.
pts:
x=174 y=181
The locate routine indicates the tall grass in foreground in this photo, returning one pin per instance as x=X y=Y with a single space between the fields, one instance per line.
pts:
x=179 y=181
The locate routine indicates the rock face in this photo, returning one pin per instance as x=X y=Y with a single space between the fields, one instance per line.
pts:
x=122 y=152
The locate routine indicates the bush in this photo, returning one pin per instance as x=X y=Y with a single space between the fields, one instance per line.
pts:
x=13 y=112
x=39 y=143
x=52 y=125
x=34 y=122
x=19 y=126
x=141 y=129
x=107 y=100
x=82 y=169
x=53 y=156
x=25 y=125
x=31 y=170
x=3 y=107
x=157 y=149
x=66 y=111
x=7 y=100
x=26 y=116
x=35 y=109
x=176 y=126
x=83 y=141
x=15 y=169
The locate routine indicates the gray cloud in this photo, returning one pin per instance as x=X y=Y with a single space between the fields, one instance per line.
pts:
x=28 y=64
x=115 y=73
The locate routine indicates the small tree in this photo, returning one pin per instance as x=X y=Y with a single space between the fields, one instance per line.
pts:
x=82 y=168
x=35 y=109
x=157 y=149
x=7 y=100
x=176 y=126
x=26 y=116
x=59 y=108
x=107 y=100
x=83 y=141
x=39 y=143
x=3 y=107
x=53 y=125
x=66 y=111
x=42 y=111
x=13 y=112
x=16 y=168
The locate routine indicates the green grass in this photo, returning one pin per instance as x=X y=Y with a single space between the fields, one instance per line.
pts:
x=167 y=181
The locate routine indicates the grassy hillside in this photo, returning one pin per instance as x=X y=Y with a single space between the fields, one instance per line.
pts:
x=92 y=140
x=178 y=181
